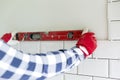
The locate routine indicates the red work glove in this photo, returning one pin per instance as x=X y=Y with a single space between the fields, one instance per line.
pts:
x=87 y=41
x=8 y=38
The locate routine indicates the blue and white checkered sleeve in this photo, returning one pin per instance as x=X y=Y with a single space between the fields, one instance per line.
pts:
x=16 y=65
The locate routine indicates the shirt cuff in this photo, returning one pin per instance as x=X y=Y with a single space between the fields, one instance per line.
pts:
x=80 y=53
x=84 y=49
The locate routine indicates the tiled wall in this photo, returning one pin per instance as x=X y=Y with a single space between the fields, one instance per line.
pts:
x=104 y=64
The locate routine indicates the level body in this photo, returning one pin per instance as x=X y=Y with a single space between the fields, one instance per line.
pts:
x=49 y=36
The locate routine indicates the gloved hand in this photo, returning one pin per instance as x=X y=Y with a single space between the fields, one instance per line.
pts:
x=87 y=41
x=8 y=38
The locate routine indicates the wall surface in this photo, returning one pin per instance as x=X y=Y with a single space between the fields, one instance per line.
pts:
x=104 y=64
x=45 y=15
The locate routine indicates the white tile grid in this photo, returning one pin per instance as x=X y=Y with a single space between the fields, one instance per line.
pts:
x=58 y=77
x=16 y=46
x=106 y=67
x=94 y=67
x=73 y=71
x=76 y=77
x=99 y=78
x=69 y=44
x=115 y=69
x=51 y=46
x=108 y=49
x=30 y=47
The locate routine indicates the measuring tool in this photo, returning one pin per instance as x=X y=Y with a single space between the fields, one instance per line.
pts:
x=50 y=36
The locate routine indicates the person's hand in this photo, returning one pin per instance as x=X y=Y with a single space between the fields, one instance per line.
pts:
x=8 y=38
x=87 y=41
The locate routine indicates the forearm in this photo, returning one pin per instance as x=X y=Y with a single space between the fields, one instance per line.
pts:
x=19 y=66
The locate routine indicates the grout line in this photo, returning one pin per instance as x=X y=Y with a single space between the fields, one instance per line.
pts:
x=63 y=76
x=63 y=44
x=79 y=74
x=99 y=58
x=40 y=47
x=77 y=70
x=92 y=78
x=108 y=68
x=92 y=56
x=97 y=76
x=114 y=59
x=116 y=1
x=107 y=21
x=105 y=58
x=105 y=78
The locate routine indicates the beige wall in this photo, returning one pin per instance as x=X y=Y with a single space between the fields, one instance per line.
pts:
x=44 y=15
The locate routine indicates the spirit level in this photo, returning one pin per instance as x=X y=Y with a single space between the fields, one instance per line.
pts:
x=51 y=35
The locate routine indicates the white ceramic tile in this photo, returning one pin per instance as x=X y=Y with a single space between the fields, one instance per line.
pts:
x=108 y=49
x=115 y=69
x=98 y=78
x=16 y=46
x=51 y=45
x=94 y=67
x=69 y=44
x=114 y=30
x=58 y=77
x=72 y=71
x=114 y=11
x=30 y=47
x=76 y=77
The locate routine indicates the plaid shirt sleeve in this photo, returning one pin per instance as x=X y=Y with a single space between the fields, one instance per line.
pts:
x=16 y=65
